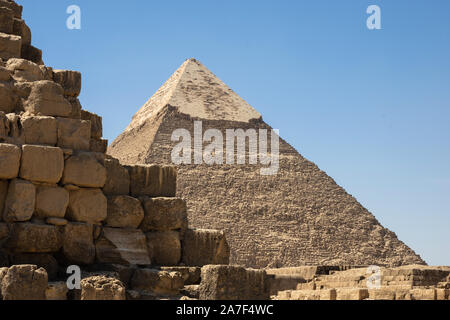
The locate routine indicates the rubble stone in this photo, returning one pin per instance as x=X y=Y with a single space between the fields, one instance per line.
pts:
x=164 y=214
x=87 y=205
x=56 y=291
x=102 y=288
x=42 y=163
x=20 y=201
x=9 y=161
x=84 y=170
x=124 y=212
x=24 y=282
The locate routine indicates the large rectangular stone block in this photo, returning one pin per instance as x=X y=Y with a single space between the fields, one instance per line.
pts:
x=25 y=71
x=51 y=202
x=202 y=247
x=84 y=170
x=233 y=283
x=9 y=161
x=69 y=80
x=164 y=214
x=74 y=134
x=96 y=123
x=42 y=164
x=122 y=246
x=16 y=8
x=153 y=180
x=34 y=238
x=40 y=130
x=46 y=98
x=6 y=20
x=78 y=244
x=164 y=247
x=10 y=46
x=117 y=178
x=98 y=145
x=21 y=29
x=87 y=205
x=24 y=282
x=352 y=294
x=124 y=212
x=20 y=201
x=8 y=98
x=423 y=294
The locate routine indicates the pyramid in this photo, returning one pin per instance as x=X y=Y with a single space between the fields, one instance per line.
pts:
x=299 y=216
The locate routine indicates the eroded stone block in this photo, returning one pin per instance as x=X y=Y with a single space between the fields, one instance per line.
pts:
x=87 y=205
x=85 y=171
x=124 y=212
x=42 y=164
x=9 y=161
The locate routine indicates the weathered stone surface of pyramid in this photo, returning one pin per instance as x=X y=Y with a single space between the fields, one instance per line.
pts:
x=299 y=216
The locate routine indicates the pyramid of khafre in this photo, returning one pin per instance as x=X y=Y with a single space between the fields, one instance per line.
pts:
x=299 y=216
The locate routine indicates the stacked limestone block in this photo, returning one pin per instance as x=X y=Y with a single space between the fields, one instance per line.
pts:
x=413 y=282
x=62 y=200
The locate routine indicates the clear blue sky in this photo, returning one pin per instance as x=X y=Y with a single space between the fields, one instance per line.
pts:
x=371 y=108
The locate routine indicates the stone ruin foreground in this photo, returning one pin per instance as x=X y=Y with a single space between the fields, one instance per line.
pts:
x=64 y=202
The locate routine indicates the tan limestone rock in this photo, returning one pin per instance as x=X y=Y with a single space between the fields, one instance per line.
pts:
x=164 y=247
x=24 y=282
x=74 y=134
x=10 y=46
x=51 y=202
x=69 y=80
x=102 y=288
x=24 y=70
x=21 y=29
x=85 y=171
x=78 y=245
x=46 y=98
x=153 y=180
x=117 y=178
x=56 y=291
x=20 y=201
x=34 y=238
x=87 y=205
x=158 y=282
x=39 y=130
x=42 y=164
x=9 y=161
x=122 y=246
x=6 y=20
x=96 y=123
x=202 y=247
x=124 y=212
x=164 y=214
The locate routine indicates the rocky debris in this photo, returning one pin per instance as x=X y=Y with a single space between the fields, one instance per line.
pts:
x=24 y=282
x=9 y=161
x=124 y=212
x=220 y=282
x=153 y=180
x=164 y=247
x=157 y=282
x=203 y=247
x=20 y=201
x=56 y=291
x=102 y=288
x=41 y=260
x=191 y=275
x=35 y=164
x=164 y=214
x=122 y=246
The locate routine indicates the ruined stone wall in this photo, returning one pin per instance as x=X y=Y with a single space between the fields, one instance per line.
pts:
x=62 y=200
x=298 y=217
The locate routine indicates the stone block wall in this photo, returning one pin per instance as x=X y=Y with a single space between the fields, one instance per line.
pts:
x=63 y=201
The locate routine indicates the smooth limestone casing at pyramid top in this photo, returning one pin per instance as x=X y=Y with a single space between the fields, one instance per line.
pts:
x=298 y=217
